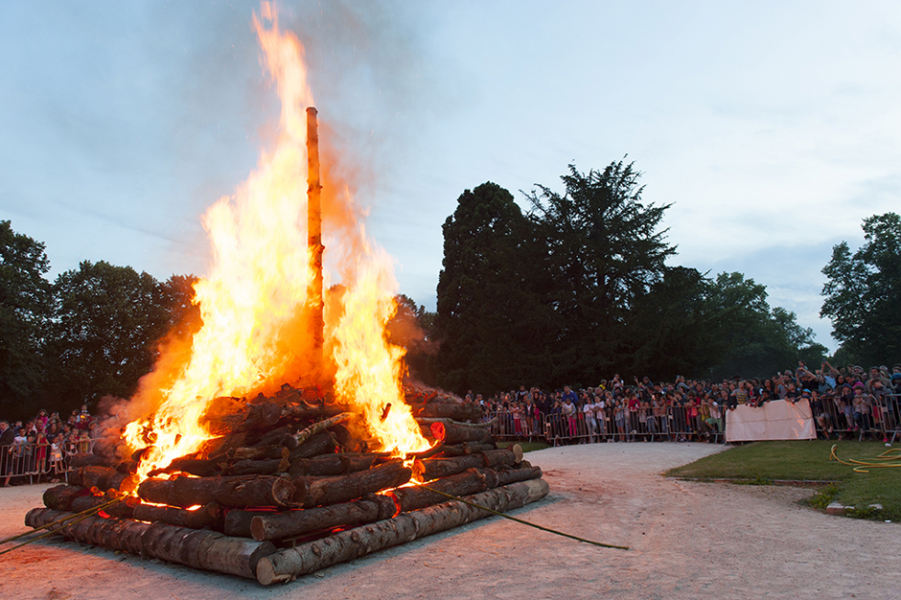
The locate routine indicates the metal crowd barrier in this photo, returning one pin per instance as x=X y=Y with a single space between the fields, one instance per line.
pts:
x=836 y=417
x=616 y=425
x=508 y=425
x=36 y=461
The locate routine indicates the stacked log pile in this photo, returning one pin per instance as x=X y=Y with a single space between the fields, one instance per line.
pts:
x=285 y=490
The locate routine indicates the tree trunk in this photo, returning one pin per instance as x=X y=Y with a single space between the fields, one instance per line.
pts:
x=318 y=491
x=468 y=482
x=288 y=564
x=60 y=497
x=450 y=433
x=275 y=526
x=202 y=467
x=331 y=464
x=234 y=491
x=320 y=443
x=237 y=522
x=448 y=410
x=209 y=516
x=466 y=448
x=503 y=458
x=433 y=468
x=230 y=415
x=259 y=467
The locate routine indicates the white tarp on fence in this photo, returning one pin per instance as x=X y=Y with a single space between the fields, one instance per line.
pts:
x=776 y=420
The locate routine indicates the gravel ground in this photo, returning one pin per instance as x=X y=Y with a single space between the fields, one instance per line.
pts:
x=686 y=539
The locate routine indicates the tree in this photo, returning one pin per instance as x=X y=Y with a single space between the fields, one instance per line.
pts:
x=863 y=292
x=24 y=308
x=105 y=324
x=677 y=328
x=759 y=340
x=491 y=320
x=604 y=253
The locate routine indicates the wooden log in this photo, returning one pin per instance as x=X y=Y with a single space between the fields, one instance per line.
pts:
x=94 y=476
x=60 y=497
x=304 y=434
x=330 y=464
x=508 y=476
x=320 y=443
x=85 y=459
x=319 y=491
x=503 y=458
x=274 y=451
x=201 y=549
x=471 y=481
x=466 y=448
x=202 y=467
x=234 y=491
x=259 y=467
x=230 y=415
x=433 y=468
x=306 y=412
x=448 y=410
x=455 y=433
x=208 y=516
x=92 y=530
x=204 y=549
x=275 y=526
x=280 y=436
x=87 y=502
x=288 y=564
x=237 y=521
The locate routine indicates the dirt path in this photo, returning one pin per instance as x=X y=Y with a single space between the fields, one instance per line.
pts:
x=687 y=539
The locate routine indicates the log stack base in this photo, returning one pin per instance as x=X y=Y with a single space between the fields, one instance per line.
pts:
x=293 y=503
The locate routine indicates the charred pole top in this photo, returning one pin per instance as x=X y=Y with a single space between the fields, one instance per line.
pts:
x=314 y=228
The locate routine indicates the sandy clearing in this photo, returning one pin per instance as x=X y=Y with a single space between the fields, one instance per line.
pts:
x=688 y=540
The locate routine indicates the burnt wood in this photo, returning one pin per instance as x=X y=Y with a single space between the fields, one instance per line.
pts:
x=233 y=491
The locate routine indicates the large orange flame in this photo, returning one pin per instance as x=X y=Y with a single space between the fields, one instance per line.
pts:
x=253 y=337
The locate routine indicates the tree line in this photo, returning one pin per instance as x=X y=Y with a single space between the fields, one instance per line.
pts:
x=578 y=288
x=571 y=291
x=91 y=332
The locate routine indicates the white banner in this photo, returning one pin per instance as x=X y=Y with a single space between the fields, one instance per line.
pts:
x=776 y=420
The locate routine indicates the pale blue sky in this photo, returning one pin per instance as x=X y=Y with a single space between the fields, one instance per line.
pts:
x=774 y=128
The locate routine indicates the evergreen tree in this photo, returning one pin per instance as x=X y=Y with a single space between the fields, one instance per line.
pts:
x=863 y=292
x=24 y=309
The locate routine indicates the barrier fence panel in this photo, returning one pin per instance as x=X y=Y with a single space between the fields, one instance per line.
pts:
x=514 y=425
x=38 y=462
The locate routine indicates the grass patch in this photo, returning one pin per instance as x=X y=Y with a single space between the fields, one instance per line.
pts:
x=809 y=461
x=526 y=446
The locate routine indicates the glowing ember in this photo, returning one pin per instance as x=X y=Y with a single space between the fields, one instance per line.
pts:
x=254 y=337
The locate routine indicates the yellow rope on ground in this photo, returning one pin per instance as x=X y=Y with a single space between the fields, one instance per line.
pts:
x=864 y=467
x=63 y=523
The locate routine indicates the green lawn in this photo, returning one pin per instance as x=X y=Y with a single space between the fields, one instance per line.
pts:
x=763 y=462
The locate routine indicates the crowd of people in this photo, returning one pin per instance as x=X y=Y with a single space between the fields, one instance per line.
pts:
x=38 y=448
x=846 y=402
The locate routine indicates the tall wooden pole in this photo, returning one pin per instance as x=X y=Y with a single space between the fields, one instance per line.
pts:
x=314 y=228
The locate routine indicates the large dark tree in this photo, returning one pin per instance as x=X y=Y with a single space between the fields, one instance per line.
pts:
x=677 y=328
x=106 y=322
x=863 y=292
x=759 y=340
x=493 y=325
x=605 y=251
x=24 y=308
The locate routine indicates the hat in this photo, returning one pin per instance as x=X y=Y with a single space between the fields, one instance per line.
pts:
x=805 y=391
x=859 y=384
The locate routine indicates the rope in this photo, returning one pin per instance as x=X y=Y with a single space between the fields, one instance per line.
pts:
x=73 y=518
x=864 y=467
x=506 y=516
